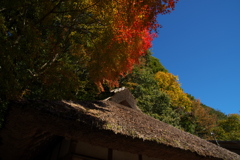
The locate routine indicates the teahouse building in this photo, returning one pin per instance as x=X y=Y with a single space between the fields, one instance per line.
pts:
x=101 y=130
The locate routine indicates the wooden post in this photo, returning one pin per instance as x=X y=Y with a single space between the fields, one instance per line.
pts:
x=110 y=154
x=140 y=157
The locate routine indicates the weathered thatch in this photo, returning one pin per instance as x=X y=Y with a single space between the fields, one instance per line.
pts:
x=123 y=96
x=31 y=124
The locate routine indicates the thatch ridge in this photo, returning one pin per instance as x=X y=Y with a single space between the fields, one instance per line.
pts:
x=118 y=126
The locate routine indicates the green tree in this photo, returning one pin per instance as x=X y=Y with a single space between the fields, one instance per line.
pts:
x=229 y=128
x=154 y=64
x=145 y=89
x=40 y=56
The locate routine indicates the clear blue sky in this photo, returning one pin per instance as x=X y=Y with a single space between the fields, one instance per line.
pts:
x=200 y=43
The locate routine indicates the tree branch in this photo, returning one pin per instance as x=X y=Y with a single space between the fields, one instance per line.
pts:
x=51 y=11
x=67 y=11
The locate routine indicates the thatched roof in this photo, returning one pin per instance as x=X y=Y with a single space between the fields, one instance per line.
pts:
x=30 y=124
x=123 y=96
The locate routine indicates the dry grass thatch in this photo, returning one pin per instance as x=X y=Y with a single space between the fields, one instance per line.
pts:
x=33 y=123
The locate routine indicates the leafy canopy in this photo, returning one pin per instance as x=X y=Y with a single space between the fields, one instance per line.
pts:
x=168 y=83
x=58 y=49
x=229 y=128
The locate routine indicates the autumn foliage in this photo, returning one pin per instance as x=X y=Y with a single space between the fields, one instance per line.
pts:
x=72 y=49
x=169 y=84
x=130 y=29
x=59 y=49
x=204 y=119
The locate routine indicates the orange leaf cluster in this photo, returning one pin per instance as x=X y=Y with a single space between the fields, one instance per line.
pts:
x=130 y=32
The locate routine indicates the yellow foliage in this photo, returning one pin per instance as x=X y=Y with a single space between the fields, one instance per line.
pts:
x=169 y=84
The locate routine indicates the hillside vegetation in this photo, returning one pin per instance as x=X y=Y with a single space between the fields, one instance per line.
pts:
x=160 y=95
x=81 y=49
